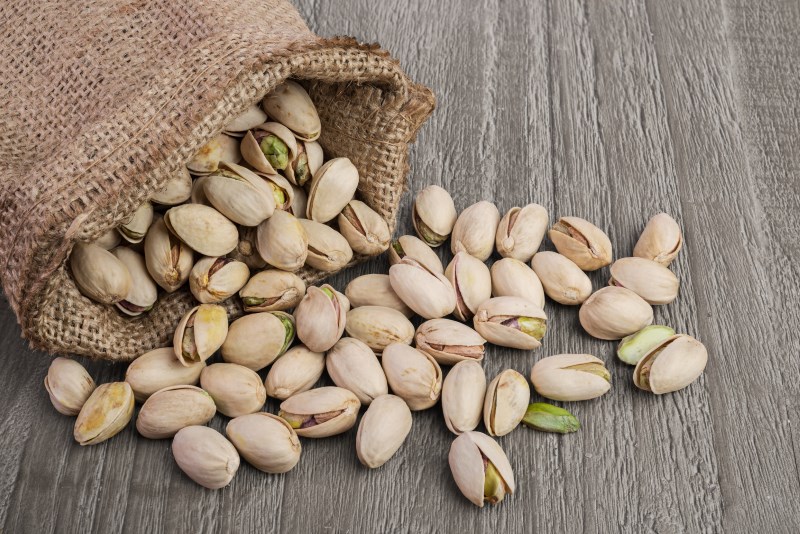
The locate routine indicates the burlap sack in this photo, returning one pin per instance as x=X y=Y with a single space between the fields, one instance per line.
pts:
x=103 y=99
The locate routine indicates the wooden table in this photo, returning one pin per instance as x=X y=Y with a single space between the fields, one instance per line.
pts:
x=611 y=110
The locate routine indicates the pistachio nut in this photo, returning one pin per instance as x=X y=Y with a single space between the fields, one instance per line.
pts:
x=239 y=194
x=321 y=412
x=320 y=317
x=548 y=418
x=305 y=164
x=433 y=215
x=472 y=282
x=177 y=190
x=660 y=241
x=299 y=202
x=236 y=390
x=511 y=322
x=475 y=230
x=365 y=230
x=213 y=280
x=282 y=190
x=480 y=468
x=246 y=120
x=614 y=312
x=272 y=290
x=332 y=188
x=269 y=147
x=426 y=292
x=199 y=191
x=169 y=260
x=352 y=365
x=382 y=431
x=158 y=369
x=463 y=392
x=282 y=242
x=328 y=250
x=98 y=274
x=257 y=339
x=449 y=342
x=68 y=385
x=200 y=333
x=671 y=365
x=298 y=369
x=265 y=441
x=172 y=408
x=412 y=375
x=108 y=240
x=562 y=280
x=505 y=403
x=375 y=290
x=570 y=377
x=143 y=292
x=202 y=228
x=582 y=242
x=221 y=148
x=247 y=249
x=104 y=414
x=205 y=456
x=379 y=327
x=632 y=348
x=521 y=231
x=290 y=104
x=650 y=280
x=512 y=278
x=414 y=248
x=134 y=228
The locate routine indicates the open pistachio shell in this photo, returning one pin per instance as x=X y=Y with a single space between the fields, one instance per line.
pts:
x=660 y=241
x=298 y=369
x=416 y=249
x=328 y=250
x=449 y=342
x=205 y=456
x=614 y=312
x=246 y=120
x=426 y=292
x=521 y=231
x=582 y=242
x=332 y=189
x=200 y=333
x=282 y=190
x=169 y=260
x=472 y=282
x=290 y=104
x=475 y=230
x=365 y=230
x=158 y=369
x=506 y=402
x=321 y=412
x=433 y=215
x=246 y=250
x=511 y=322
x=239 y=194
x=562 y=280
x=512 y=278
x=671 y=365
x=463 y=392
x=213 y=280
x=143 y=292
x=379 y=327
x=257 y=339
x=480 y=468
x=570 y=377
x=172 y=408
x=272 y=290
x=282 y=241
x=382 y=431
x=236 y=390
x=202 y=228
x=265 y=441
x=375 y=290
x=412 y=375
x=352 y=365
x=269 y=147
x=650 y=280
x=98 y=274
x=135 y=227
x=305 y=164
x=69 y=385
x=221 y=148
x=105 y=413
x=320 y=317
x=176 y=191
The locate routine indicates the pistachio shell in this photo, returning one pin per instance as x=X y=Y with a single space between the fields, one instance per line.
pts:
x=299 y=203
x=265 y=441
x=281 y=189
x=249 y=118
x=221 y=148
x=143 y=292
x=365 y=230
x=239 y=194
x=298 y=369
x=177 y=190
x=172 y=408
x=236 y=390
x=521 y=231
x=512 y=278
x=475 y=230
x=109 y=239
x=414 y=248
x=570 y=377
x=320 y=317
x=290 y=104
x=246 y=250
x=412 y=375
x=256 y=340
x=199 y=191
x=449 y=342
x=321 y=412
x=104 y=414
x=169 y=260
x=352 y=365
x=68 y=385
x=328 y=250
x=305 y=164
x=650 y=280
x=426 y=292
x=331 y=189
x=205 y=456
x=614 y=312
x=272 y=290
x=632 y=348
x=375 y=290
x=433 y=215
x=213 y=280
x=204 y=229
x=506 y=402
x=282 y=241
x=582 y=242
x=671 y=365
x=562 y=280
x=158 y=369
x=463 y=392
x=660 y=241
x=379 y=327
x=466 y=458
x=472 y=282
x=98 y=274
x=382 y=430
x=134 y=228
x=503 y=321
x=200 y=333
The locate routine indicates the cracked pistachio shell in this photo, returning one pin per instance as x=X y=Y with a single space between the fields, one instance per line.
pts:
x=511 y=322
x=463 y=392
x=614 y=312
x=213 y=280
x=472 y=282
x=305 y=164
x=416 y=249
x=177 y=190
x=321 y=412
x=198 y=191
x=298 y=369
x=135 y=227
x=247 y=249
x=290 y=104
x=169 y=260
x=331 y=189
x=365 y=230
x=108 y=240
x=582 y=242
x=172 y=408
x=205 y=456
x=512 y=278
x=282 y=190
x=412 y=375
x=433 y=215
x=352 y=365
x=650 y=280
x=506 y=402
x=282 y=241
x=299 y=202
x=158 y=369
x=562 y=280
x=570 y=377
x=202 y=228
x=268 y=157
x=200 y=333
x=671 y=365
x=221 y=148
x=257 y=339
x=143 y=292
x=375 y=290
x=479 y=464
x=449 y=342
x=379 y=327
x=660 y=241
x=236 y=390
x=521 y=231
x=272 y=290
x=382 y=431
x=320 y=317
x=265 y=441
x=104 y=414
x=99 y=274
x=426 y=292
x=246 y=120
x=475 y=230
x=69 y=385
x=632 y=348
x=239 y=194
x=328 y=250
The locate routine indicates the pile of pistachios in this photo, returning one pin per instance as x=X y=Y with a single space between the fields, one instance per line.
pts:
x=364 y=337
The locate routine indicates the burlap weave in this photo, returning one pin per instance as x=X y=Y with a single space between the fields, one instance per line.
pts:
x=103 y=99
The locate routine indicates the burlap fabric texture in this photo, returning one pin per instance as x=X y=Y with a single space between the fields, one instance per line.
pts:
x=103 y=99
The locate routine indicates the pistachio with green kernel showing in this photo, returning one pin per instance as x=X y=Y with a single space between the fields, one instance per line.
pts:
x=168 y=410
x=379 y=327
x=290 y=104
x=548 y=418
x=321 y=412
x=272 y=290
x=169 y=260
x=240 y=195
x=631 y=349
x=521 y=231
x=352 y=365
x=158 y=369
x=298 y=369
x=671 y=365
x=258 y=339
x=320 y=317
x=382 y=431
x=511 y=322
x=650 y=280
x=332 y=188
x=449 y=342
x=433 y=215
x=305 y=164
x=213 y=280
x=282 y=191
x=463 y=391
x=143 y=292
x=203 y=228
x=582 y=242
x=221 y=148
x=269 y=147
x=282 y=241
x=104 y=414
x=412 y=375
x=135 y=227
x=570 y=377
x=414 y=248
x=614 y=312
x=265 y=441
x=365 y=230
x=200 y=333
x=506 y=400
x=328 y=250
x=512 y=278
x=660 y=241
x=561 y=279
x=426 y=292
x=236 y=390
x=480 y=468
x=475 y=230
x=69 y=385
x=205 y=456
x=472 y=282
x=99 y=274
x=375 y=290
